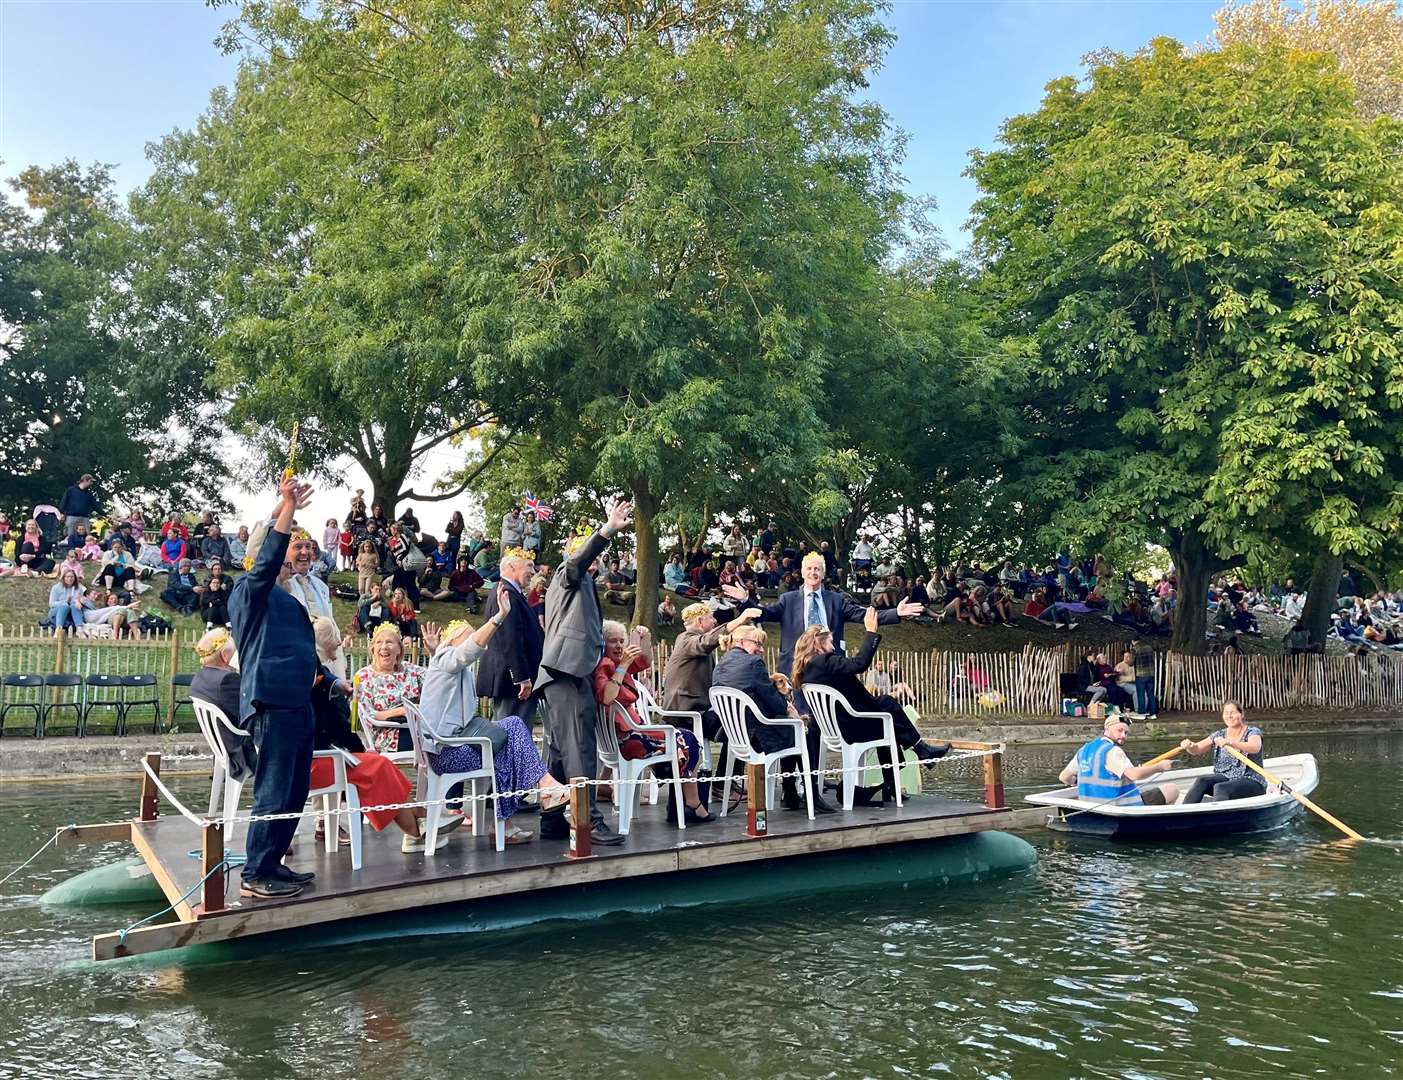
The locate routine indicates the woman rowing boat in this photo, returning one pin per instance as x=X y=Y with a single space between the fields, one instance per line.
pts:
x=1230 y=779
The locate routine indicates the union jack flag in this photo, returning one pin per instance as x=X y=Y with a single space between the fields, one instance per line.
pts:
x=537 y=507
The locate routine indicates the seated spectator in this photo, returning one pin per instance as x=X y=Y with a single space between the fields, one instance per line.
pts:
x=401 y=612
x=75 y=540
x=1099 y=679
x=238 y=548
x=214 y=548
x=919 y=592
x=486 y=562
x=891 y=593
x=214 y=596
x=92 y=550
x=385 y=683
x=72 y=561
x=616 y=590
x=673 y=574
x=173 y=549
x=1244 y=620
x=1001 y=605
x=111 y=609
x=463 y=585
x=35 y=552
x=373 y=610
x=667 y=611
x=117 y=569
x=624 y=657
x=149 y=560
x=441 y=559
x=68 y=602
x=862 y=580
x=201 y=529
x=180 y=592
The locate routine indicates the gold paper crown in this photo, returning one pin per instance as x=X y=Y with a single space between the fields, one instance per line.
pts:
x=453 y=629
x=386 y=629
x=299 y=533
x=208 y=646
x=519 y=553
x=695 y=611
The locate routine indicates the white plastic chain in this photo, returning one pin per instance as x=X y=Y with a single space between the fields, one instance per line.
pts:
x=957 y=755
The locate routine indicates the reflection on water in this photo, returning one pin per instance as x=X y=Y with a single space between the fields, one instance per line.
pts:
x=1268 y=955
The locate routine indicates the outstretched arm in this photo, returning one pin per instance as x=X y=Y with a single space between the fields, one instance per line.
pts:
x=620 y=517
x=292 y=497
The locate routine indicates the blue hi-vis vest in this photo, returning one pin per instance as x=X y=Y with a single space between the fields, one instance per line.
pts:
x=1095 y=781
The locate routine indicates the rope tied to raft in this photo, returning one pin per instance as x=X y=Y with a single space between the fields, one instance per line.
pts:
x=223 y=864
x=42 y=848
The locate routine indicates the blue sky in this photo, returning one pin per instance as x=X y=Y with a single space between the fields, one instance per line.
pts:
x=97 y=79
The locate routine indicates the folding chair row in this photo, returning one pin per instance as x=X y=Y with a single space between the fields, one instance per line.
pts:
x=44 y=696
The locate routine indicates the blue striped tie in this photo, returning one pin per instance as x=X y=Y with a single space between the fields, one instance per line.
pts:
x=815 y=618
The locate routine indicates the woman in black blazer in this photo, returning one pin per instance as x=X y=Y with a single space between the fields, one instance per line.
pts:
x=816 y=661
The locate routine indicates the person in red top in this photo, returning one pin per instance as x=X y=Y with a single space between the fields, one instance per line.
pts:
x=346 y=546
x=1037 y=607
x=624 y=657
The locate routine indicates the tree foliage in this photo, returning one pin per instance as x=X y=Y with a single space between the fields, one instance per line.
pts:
x=86 y=389
x=1203 y=253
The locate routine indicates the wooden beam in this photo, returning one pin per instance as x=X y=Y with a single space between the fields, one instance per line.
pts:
x=163 y=878
x=73 y=835
x=756 y=826
x=994 y=781
x=150 y=796
x=581 y=846
x=212 y=867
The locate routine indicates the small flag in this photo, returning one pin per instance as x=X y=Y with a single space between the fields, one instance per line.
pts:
x=537 y=507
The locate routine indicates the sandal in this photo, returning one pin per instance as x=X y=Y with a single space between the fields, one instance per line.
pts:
x=554 y=802
x=519 y=836
x=698 y=815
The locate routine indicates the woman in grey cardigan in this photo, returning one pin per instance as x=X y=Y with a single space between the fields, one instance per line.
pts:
x=449 y=707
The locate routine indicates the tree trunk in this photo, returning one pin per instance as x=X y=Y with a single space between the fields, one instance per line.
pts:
x=1320 y=600
x=645 y=596
x=1194 y=565
x=386 y=482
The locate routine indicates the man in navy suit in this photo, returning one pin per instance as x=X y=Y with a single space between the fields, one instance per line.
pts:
x=507 y=671
x=278 y=667
x=813 y=604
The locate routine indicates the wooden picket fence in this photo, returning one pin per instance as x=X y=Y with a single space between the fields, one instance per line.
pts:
x=982 y=684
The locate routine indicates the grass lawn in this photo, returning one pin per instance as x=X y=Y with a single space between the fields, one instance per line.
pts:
x=24 y=601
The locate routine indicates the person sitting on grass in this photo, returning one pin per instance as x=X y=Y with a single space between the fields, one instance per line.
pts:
x=616 y=590
x=111 y=610
x=402 y=614
x=373 y=609
x=173 y=549
x=68 y=602
x=214 y=549
x=667 y=611
x=462 y=588
x=1038 y=607
x=180 y=588
x=214 y=597
x=35 y=554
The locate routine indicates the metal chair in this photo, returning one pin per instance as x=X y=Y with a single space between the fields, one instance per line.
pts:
x=13 y=696
x=731 y=706
x=824 y=703
x=134 y=691
x=104 y=692
x=63 y=691
x=433 y=787
x=180 y=692
x=628 y=771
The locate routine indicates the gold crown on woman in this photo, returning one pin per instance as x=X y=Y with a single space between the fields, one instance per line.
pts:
x=387 y=630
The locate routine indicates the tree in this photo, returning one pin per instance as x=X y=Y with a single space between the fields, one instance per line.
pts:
x=85 y=389
x=1366 y=36
x=1203 y=253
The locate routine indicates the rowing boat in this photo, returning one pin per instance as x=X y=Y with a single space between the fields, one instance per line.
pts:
x=1270 y=810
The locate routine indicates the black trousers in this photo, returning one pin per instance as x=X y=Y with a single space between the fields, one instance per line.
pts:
x=1223 y=789
x=767 y=738
x=281 y=781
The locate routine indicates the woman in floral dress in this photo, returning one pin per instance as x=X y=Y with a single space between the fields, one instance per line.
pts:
x=383 y=685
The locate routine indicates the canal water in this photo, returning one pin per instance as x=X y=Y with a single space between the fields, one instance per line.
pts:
x=1275 y=955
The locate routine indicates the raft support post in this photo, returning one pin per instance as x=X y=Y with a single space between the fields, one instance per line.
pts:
x=212 y=867
x=580 y=825
x=755 y=824
x=994 y=779
x=150 y=797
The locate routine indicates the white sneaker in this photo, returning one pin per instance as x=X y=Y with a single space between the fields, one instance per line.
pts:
x=446 y=827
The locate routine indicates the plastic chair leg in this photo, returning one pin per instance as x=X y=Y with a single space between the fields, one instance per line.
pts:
x=849 y=763
x=808 y=777
x=729 y=765
x=354 y=818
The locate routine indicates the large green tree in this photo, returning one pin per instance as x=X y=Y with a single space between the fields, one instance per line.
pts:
x=85 y=388
x=1204 y=253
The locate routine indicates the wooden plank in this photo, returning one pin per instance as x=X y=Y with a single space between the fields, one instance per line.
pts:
x=270 y=917
x=74 y=835
x=142 y=842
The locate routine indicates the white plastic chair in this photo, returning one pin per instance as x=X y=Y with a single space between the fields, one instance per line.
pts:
x=331 y=796
x=648 y=708
x=365 y=717
x=731 y=706
x=627 y=771
x=224 y=790
x=824 y=703
x=434 y=787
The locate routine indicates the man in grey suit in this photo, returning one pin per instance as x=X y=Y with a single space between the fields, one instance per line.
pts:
x=572 y=650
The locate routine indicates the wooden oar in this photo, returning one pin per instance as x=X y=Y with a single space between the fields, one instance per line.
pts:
x=1164 y=756
x=1270 y=779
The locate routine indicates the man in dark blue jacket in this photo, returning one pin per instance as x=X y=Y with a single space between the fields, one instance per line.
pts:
x=278 y=667
x=507 y=671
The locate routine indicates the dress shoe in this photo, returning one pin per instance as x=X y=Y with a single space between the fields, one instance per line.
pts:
x=554 y=826
x=868 y=796
x=269 y=888
x=286 y=873
x=604 y=836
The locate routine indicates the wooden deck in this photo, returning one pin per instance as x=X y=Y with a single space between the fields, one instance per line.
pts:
x=469 y=868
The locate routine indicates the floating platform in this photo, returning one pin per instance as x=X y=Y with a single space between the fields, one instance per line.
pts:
x=659 y=860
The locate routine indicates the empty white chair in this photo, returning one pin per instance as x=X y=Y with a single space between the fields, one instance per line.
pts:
x=224 y=790
x=824 y=703
x=433 y=787
x=731 y=706
x=627 y=771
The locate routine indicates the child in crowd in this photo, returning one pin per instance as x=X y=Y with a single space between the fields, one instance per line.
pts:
x=73 y=561
x=346 y=545
x=331 y=542
x=367 y=567
x=92 y=550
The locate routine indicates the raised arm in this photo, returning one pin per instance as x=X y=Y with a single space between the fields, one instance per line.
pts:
x=292 y=497
x=620 y=517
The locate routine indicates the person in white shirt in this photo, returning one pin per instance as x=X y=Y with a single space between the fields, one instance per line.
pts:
x=862 y=554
